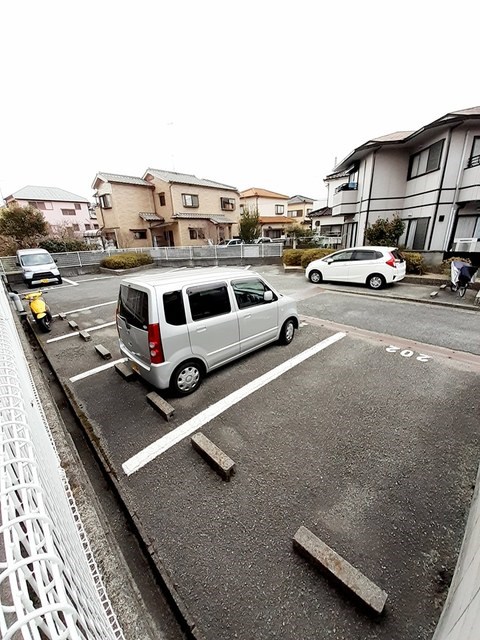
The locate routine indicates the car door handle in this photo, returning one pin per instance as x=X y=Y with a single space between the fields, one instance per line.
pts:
x=201 y=329
x=249 y=315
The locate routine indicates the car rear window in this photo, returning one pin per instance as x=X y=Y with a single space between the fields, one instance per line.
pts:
x=208 y=300
x=133 y=307
x=174 y=308
x=397 y=255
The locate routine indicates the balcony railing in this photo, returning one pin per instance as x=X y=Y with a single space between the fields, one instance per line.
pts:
x=473 y=162
x=347 y=186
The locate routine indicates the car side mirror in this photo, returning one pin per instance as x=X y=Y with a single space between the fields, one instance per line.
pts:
x=55 y=260
x=268 y=296
x=17 y=263
x=329 y=260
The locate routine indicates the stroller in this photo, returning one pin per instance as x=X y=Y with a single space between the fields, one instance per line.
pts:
x=462 y=275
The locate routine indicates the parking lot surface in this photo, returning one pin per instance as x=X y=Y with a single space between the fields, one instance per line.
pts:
x=371 y=444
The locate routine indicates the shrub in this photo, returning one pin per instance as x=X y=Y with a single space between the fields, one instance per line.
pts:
x=415 y=262
x=309 y=255
x=61 y=245
x=447 y=264
x=126 y=261
x=292 y=257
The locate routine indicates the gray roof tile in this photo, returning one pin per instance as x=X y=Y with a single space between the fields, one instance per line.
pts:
x=117 y=177
x=186 y=178
x=52 y=194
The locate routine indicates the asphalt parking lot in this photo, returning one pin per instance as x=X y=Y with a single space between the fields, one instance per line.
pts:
x=371 y=444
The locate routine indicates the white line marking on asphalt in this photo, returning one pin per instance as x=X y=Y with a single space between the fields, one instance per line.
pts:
x=248 y=266
x=71 y=282
x=74 y=334
x=93 y=279
x=92 y=372
x=94 y=306
x=170 y=439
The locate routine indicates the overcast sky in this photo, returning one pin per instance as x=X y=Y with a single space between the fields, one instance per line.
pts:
x=253 y=94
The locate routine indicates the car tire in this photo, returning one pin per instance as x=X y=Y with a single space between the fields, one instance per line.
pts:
x=376 y=281
x=60 y=280
x=287 y=332
x=315 y=276
x=29 y=284
x=186 y=378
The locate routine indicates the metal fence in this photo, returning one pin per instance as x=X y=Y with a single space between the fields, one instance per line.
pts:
x=50 y=586
x=84 y=258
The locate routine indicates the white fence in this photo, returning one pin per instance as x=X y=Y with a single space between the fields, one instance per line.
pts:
x=84 y=258
x=49 y=583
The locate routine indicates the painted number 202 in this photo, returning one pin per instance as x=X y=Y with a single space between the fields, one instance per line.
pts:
x=408 y=353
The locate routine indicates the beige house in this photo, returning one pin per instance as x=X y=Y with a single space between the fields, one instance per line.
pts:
x=267 y=203
x=165 y=208
x=299 y=207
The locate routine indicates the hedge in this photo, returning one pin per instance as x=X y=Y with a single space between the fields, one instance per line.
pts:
x=56 y=245
x=310 y=255
x=126 y=261
x=292 y=257
x=415 y=262
x=303 y=257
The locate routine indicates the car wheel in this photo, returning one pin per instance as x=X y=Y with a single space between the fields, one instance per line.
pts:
x=60 y=280
x=288 y=331
x=29 y=284
x=186 y=378
x=376 y=281
x=315 y=276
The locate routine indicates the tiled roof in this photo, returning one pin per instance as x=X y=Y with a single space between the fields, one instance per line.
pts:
x=186 y=178
x=116 y=177
x=275 y=220
x=52 y=194
x=151 y=217
x=393 y=137
x=473 y=111
x=300 y=200
x=213 y=217
x=261 y=193
x=324 y=211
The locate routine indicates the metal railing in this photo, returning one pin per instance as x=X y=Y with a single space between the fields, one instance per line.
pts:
x=216 y=252
x=50 y=586
x=474 y=161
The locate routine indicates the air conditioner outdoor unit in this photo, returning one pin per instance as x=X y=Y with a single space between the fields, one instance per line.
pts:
x=465 y=244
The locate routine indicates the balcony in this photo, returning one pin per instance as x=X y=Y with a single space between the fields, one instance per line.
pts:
x=345 y=199
x=469 y=186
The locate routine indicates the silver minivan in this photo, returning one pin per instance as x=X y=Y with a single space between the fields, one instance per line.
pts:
x=176 y=327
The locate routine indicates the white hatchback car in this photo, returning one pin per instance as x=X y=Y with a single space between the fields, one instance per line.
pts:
x=373 y=266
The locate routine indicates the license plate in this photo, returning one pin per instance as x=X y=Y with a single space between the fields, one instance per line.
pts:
x=45 y=280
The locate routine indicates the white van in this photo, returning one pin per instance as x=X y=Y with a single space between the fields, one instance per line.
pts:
x=175 y=328
x=37 y=266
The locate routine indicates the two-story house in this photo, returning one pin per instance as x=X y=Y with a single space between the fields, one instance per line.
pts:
x=299 y=207
x=272 y=210
x=429 y=177
x=63 y=211
x=165 y=208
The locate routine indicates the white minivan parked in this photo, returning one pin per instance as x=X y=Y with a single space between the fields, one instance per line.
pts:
x=175 y=328
x=37 y=266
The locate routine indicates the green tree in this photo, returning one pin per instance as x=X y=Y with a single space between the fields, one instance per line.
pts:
x=296 y=230
x=250 y=228
x=26 y=225
x=385 y=232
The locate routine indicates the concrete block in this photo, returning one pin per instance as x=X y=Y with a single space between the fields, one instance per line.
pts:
x=320 y=554
x=216 y=458
x=105 y=353
x=434 y=294
x=73 y=325
x=161 y=405
x=85 y=336
x=125 y=370
x=62 y=316
x=443 y=286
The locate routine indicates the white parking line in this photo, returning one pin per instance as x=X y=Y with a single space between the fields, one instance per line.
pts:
x=92 y=279
x=92 y=372
x=71 y=282
x=94 y=306
x=164 y=443
x=88 y=330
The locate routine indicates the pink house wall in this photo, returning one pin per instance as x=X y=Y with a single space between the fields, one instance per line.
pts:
x=55 y=217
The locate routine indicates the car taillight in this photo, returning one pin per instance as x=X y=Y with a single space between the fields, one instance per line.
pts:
x=391 y=261
x=155 y=344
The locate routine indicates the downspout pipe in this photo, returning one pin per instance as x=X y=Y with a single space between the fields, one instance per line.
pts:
x=369 y=196
x=437 y=204
x=453 y=210
x=17 y=302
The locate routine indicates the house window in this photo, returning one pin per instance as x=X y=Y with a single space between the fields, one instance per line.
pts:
x=297 y=213
x=76 y=227
x=474 y=159
x=161 y=197
x=415 y=233
x=87 y=227
x=227 y=204
x=189 y=200
x=279 y=209
x=78 y=205
x=139 y=234
x=426 y=161
x=197 y=234
x=334 y=230
x=38 y=205
x=68 y=212
x=95 y=226
x=106 y=201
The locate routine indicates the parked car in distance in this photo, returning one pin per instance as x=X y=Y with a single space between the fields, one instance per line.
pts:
x=37 y=266
x=233 y=242
x=373 y=266
x=263 y=240
x=177 y=327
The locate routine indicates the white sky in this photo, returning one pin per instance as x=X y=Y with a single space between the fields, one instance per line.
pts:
x=252 y=94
